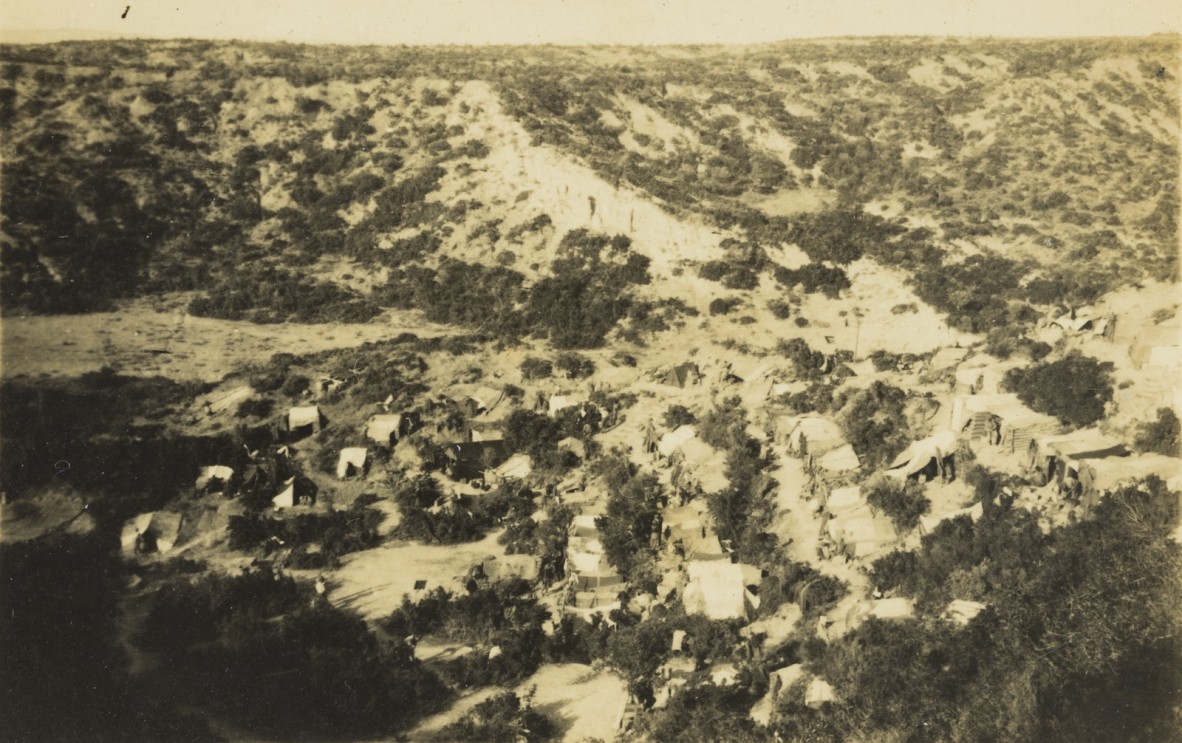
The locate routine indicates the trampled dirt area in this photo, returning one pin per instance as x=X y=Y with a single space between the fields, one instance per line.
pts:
x=141 y=341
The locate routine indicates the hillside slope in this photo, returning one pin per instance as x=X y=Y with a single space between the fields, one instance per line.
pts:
x=301 y=183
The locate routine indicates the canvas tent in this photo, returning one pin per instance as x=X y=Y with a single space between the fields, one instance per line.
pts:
x=293 y=493
x=1108 y=474
x=818 y=693
x=1054 y=456
x=928 y=523
x=946 y=358
x=1018 y=424
x=387 y=429
x=595 y=582
x=286 y=497
x=982 y=375
x=781 y=678
x=1156 y=345
x=809 y=434
x=674 y=440
x=917 y=457
x=558 y=403
x=962 y=612
x=839 y=460
x=516 y=467
x=861 y=533
x=159 y=531
x=213 y=476
x=525 y=567
x=892 y=608
x=469 y=460
x=716 y=589
x=1080 y=323
x=486 y=399
x=680 y=375
x=574 y=446
x=694 y=534
x=303 y=419
x=844 y=500
x=352 y=462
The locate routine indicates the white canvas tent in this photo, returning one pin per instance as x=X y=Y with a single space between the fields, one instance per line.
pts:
x=558 y=403
x=811 y=434
x=516 y=467
x=893 y=608
x=841 y=459
x=351 y=461
x=504 y=567
x=213 y=474
x=716 y=589
x=844 y=500
x=928 y=523
x=160 y=528
x=919 y=454
x=819 y=692
x=782 y=678
x=286 y=497
x=303 y=417
x=962 y=612
x=383 y=429
x=1112 y=473
x=487 y=398
x=574 y=446
x=674 y=440
x=861 y=533
x=1156 y=345
x=1080 y=323
x=697 y=539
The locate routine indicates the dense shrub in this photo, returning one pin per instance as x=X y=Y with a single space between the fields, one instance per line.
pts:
x=255 y=650
x=678 y=415
x=1160 y=435
x=534 y=368
x=457 y=519
x=627 y=524
x=873 y=421
x=504 y=718
x=574 y=365
x=974 y=292
x=902 y=502
x=337 y=533
x=255 y=407
x=841 y=235
x=1100 y=579
x=1075 y=389
x=65 y=670
x=724 y=305
x=814 y=277
x=272 y=295
x=502 y=614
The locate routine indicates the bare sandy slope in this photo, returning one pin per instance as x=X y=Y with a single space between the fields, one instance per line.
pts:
x=582 y=701
x=372 y=583
x=140 y=341
x=569 y=192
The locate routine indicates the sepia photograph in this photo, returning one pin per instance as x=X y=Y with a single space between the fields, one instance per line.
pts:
x=557 y=371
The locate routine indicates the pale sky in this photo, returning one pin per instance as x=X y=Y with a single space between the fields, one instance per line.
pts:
x=584 y=21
